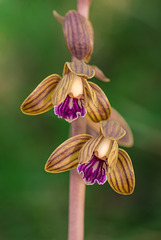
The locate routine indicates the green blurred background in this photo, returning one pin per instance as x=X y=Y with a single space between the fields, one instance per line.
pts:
x=33 y=203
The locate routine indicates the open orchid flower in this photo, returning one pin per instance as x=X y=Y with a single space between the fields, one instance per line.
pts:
x=98 y=158
x=71 y=96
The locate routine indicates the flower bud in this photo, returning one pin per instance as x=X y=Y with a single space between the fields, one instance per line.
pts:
x=78 y=33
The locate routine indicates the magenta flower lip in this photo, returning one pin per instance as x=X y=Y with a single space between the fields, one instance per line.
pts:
x=70 y=109
x=94 y=171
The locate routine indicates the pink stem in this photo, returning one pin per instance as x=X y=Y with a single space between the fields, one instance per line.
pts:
x=76 y=185
x=83 y=7
x=76 y=192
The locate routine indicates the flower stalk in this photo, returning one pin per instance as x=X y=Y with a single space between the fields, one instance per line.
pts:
x=76 y=183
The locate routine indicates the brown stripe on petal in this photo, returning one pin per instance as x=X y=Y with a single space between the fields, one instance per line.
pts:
x=39 y=101
x=112 y=159
x=90 y=92
x=116 y=185
x=33 y=102
x=112 y=130
x=91 y=113
x=78 y=35
x=123 y=178
x=58 y=164
x=68 y=166
x=66 y=155
x=103 y=111
x=127 y=166
x=87 y=150
x=61 y=150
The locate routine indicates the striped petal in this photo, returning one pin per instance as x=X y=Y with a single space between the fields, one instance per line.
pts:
x=78 y=33
x=103 y=109
x=79 y=68
x=89 y=94
x=112 y=130
x=112 y=159
x=65 y=157
x=127 y=140
x=122 y=178
x=39 y=101
x=87 y=150
x=99 y=74
x=62 y=89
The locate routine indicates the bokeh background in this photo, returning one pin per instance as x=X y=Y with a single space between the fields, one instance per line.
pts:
x=33 y=203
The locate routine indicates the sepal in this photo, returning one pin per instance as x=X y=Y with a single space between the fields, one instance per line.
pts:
x=102 y=110
x=122 y=178
x=39 y=101
x=65 y=157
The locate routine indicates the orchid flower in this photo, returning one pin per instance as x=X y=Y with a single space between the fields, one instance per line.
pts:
x=98 y=158
x=71 y=96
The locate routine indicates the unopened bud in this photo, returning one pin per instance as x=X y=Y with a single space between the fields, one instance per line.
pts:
x=78 y=33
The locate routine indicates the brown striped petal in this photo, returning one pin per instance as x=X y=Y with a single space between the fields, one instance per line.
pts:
x=58 y=17
x=112 y=130
x=89 y=93
x=79 y=68
x=122 y=178
x=112 y=159
x=87 y=150
x=79 y=36
x=65 y=157
x=39 y=101
x=62 y=89
x=103 y=109
x=127 y=140
x=99 y=74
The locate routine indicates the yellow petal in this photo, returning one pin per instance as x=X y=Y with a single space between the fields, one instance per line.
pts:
x=112 y=159
x=99 y=74
x=78 y=33
x=79 y=68
x=87 y=150
x=58 y=17
x=112 y=130
x=122 y=178
x=62 y=89
x=65 y=157
x=127 y=140
x=103 y=109
x=39 y=101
